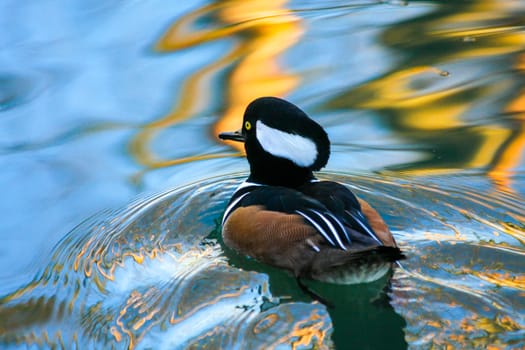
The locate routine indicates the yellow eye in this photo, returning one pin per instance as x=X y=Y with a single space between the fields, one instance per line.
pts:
x=247 y=125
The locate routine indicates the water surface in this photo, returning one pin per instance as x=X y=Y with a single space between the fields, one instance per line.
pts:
x=104 y=103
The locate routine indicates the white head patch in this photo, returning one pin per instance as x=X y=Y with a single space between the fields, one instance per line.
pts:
x=300 y=150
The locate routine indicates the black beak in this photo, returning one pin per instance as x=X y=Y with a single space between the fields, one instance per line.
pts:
x=233 y=136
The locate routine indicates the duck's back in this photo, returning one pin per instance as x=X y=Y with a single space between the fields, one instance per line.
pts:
x=365 y=226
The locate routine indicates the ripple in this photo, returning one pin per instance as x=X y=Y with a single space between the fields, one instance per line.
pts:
x=462 y=284
x=146 y=276
x=151 y=274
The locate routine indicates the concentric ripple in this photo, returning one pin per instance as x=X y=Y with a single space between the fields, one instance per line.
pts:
x=155 y=275
x=146 y=276
x=463 y=284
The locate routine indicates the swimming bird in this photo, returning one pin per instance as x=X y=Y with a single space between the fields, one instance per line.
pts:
x=284 y=216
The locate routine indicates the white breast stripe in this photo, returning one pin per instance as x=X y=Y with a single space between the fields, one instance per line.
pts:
x=365 y=227
x=341 y=226
x=317 y=227
x=234 y=203
x=247 y=184
x=298 y=149
x=332 y=229
x=231 y=206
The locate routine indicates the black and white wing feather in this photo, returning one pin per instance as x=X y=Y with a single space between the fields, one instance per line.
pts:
x=287 y=200
x=343 y=204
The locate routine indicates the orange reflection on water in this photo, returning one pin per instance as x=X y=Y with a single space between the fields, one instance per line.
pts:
x=234 y=16
x=311 y=332
x=505 y=279
x=490 y=328
x=513 y=153
x=263 y=31
x=258 y=72
x=134 y=297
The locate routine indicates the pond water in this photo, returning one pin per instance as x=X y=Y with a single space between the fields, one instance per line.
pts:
x=114 y=181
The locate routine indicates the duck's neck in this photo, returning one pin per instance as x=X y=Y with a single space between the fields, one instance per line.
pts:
x=279 y=174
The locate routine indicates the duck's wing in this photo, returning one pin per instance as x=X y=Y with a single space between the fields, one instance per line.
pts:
x=364 y=225
x=292 y=202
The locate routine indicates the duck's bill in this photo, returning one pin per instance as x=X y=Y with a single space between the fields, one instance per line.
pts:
x=233 y=136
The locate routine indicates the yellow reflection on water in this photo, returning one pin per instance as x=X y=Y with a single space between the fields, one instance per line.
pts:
x=419 y=113
x=478 y=23
x=308 y=332
x=262 y=30
x=421 y=101
x=258 y=73
x=427 y=104
x=511 y=155
x=505 y=279
x=490 y=327
x=312 y=330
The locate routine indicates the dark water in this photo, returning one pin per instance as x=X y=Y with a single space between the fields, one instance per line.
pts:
x=104 y=103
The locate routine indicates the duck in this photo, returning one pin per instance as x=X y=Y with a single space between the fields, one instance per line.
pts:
x=284 y=216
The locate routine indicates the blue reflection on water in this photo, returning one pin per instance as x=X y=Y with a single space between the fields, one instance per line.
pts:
x=76 y=81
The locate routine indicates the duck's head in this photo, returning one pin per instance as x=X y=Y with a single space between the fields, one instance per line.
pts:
x=283 y=145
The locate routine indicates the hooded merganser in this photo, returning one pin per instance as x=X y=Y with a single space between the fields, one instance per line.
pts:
x=283 y=216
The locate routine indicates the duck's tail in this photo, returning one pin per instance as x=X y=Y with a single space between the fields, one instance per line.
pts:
x=374 y=254
x=354 y=266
